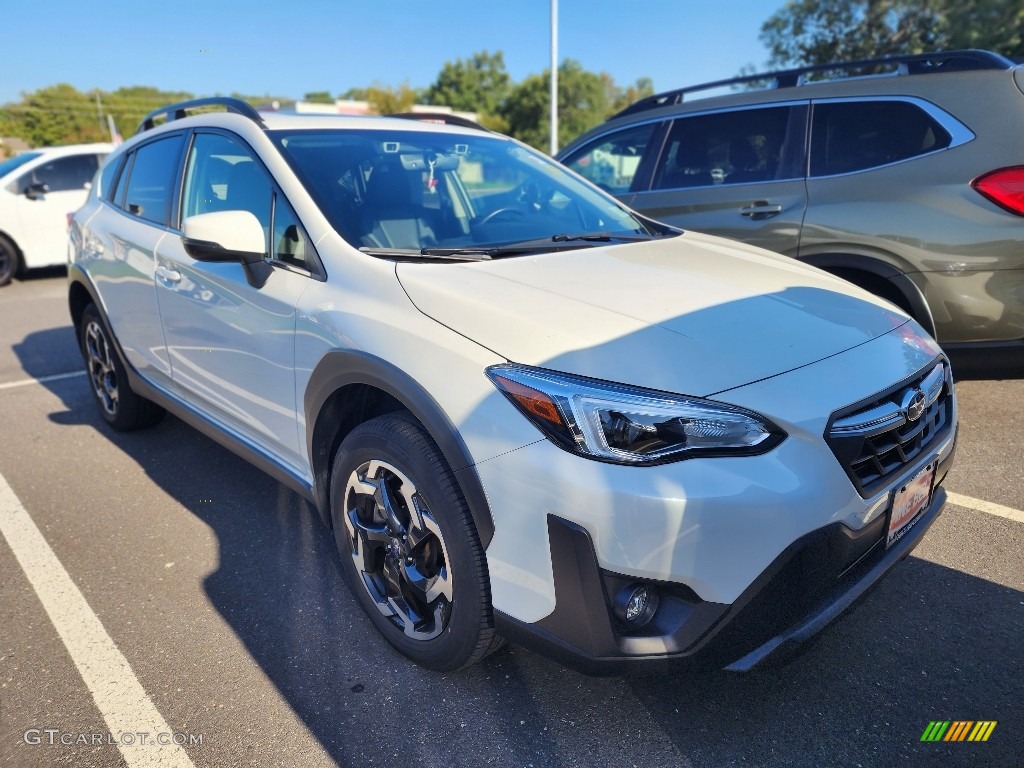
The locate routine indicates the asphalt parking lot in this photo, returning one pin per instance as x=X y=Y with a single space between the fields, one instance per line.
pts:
x=221 y=593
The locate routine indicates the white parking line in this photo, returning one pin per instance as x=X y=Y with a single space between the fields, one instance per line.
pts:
x=986 y=506
x=124 y=704
x=41 y=380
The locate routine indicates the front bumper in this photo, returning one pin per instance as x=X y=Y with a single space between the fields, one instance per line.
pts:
x=808 y=585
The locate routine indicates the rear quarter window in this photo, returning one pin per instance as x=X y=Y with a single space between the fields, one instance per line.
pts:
x=854 y=136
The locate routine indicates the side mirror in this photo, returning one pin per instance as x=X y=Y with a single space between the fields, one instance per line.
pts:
x=37 y=190
x=225 y=236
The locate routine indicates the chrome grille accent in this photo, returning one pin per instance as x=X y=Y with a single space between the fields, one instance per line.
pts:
x=876 y=440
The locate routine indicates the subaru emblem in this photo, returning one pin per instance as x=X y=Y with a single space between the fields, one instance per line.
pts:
x=914 y=403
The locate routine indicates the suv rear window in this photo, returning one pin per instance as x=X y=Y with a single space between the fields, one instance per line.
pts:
x=850 y=136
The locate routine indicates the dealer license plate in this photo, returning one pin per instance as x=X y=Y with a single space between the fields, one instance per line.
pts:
x=908 y=504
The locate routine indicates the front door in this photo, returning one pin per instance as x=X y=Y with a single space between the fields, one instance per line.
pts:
x=231 y=343
x=737 y=174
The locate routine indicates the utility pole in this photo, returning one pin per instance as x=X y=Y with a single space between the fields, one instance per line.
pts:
x=554 y=77
x=99 y=111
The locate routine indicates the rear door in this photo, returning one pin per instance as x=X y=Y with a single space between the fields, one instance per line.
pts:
x=138 y=193
x=737 y=173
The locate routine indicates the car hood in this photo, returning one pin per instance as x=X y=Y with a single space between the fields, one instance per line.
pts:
x=692 y=314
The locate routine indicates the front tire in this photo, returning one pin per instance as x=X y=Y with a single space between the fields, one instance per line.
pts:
x=9 y=263
x=120 y=407
x=408 y=545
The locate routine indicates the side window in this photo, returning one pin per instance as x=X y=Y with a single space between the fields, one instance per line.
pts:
x=291 y=244
x=223 y=175
x=611 y=162
x=854 y=136
x=62 y=174
x=736 y=147
x=108 y=179
x=149 y=188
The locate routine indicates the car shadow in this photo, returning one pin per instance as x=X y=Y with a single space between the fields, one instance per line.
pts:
x=51 y=352
x=40 y=273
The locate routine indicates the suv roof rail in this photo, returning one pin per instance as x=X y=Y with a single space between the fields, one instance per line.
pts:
x=180 y=110
x=907 y=64
x=440 y=117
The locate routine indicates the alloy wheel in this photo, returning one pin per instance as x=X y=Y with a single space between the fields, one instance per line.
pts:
x=100 y=365
x=398 y=550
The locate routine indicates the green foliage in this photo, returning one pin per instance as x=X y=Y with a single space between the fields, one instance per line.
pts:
x=585 y=99
x=823 y=31
x=354 y=94
x=319 y=97
x=479 y=84
x=390 y=101
x=57 y=114
x=996 y=25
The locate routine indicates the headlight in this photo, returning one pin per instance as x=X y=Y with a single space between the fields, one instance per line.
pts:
x=629 y=425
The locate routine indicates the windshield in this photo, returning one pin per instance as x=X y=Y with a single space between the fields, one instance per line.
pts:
x=16 y=162
x=446 y=194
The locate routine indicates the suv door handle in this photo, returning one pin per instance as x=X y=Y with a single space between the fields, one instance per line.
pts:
x=761 y=209
x=168 y=275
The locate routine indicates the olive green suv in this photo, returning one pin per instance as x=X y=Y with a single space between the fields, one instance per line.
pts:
x=904 y=175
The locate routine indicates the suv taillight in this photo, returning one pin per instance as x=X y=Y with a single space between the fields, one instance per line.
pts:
x=1004 y=187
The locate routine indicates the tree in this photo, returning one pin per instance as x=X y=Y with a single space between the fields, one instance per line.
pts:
x=620 y=98
x=57 y=114
x=997 y=25
x=479 y=84
x=319 y=97
x=390 y=101
x=353 y=94
x=583 y=102
x=807 y=32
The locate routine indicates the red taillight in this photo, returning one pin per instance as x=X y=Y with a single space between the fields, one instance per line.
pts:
x=1004 y=187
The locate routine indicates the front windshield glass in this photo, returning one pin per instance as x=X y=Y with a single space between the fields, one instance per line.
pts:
x=16 y=162
x=427 y=191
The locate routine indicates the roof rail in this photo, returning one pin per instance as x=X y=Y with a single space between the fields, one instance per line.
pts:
x=180 y=110
x=440 y=117
x=907 y=64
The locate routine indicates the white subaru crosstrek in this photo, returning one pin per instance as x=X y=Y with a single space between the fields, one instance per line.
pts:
x=38 y=189
x=526 y=411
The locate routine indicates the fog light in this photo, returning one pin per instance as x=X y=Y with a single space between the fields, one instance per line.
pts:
x=636 y=604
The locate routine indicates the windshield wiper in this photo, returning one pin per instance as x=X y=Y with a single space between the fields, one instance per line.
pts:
x=559 y=242
x=600 y=237
x=445 y=254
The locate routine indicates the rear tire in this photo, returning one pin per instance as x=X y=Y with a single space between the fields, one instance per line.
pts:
x=119 y=406
x=409 y=549
x=9 y=262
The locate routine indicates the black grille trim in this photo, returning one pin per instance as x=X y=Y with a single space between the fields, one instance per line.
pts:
x=873 y=458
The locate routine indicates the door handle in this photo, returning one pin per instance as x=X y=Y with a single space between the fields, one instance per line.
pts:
x=761 y=209
x=168 y=275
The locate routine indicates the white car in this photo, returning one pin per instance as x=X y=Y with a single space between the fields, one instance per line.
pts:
x=525 y=411
x=38 y=189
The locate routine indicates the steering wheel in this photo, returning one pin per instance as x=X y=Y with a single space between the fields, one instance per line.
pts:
x=497 y=212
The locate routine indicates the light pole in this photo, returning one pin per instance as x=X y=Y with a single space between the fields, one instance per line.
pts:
x=554 y=77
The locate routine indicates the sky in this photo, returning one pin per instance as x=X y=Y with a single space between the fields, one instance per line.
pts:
x=291 y=47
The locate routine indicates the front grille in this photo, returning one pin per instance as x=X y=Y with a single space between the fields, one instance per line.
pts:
x=877 y=439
